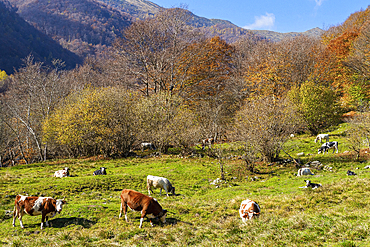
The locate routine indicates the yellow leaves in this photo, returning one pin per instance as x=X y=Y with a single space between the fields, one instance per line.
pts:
x=3 y=75
x=86 y=119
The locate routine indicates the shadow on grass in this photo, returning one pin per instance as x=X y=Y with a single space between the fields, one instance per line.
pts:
x=174 y=221
x=63 y=222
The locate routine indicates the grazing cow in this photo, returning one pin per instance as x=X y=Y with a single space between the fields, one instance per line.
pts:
x=304 y=171
x=248 y=210
x=328 y=145
x=320 y=137
x=102 y=171
x=159 y=182
x=310 y=185
x=62 y=173
x=148 y=206
x=147 y=145
x=351 y=173
x=208 y=142
x=34 y=205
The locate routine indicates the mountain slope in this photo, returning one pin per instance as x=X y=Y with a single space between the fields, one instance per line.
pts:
x=19 y=39
x=141 y=9
x=276 y=36
x=82 y=26
x=86 y=27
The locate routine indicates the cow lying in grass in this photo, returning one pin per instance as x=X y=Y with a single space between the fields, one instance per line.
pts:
x=102 y=171
x=62 y=173
x=34 y=205
x=248 y=210
x=148 y=206
x=310 y=185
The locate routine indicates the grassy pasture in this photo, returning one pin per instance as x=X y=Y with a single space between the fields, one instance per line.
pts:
x=201 y=214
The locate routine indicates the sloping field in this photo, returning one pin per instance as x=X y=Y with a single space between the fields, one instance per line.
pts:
x=201 y=214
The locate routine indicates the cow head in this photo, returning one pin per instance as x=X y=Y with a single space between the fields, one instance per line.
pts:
x=59 y=205
x=173 y=191
x=321 y=149
x=162 y=216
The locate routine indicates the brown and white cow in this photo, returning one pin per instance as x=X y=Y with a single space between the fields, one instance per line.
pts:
x=62 y=173
x=208 y=142
x=248 y=210
x=148 y=206
x=34 y=205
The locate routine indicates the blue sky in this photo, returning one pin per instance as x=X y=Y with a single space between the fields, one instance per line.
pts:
x=281 y=16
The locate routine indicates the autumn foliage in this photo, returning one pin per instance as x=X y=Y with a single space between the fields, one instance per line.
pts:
x=168 y=83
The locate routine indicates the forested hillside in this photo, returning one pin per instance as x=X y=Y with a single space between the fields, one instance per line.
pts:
x=80 y=26
x=168 y=83
x=19 y=39
x=88 y=27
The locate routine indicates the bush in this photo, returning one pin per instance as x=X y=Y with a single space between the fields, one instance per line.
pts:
x=92 y=122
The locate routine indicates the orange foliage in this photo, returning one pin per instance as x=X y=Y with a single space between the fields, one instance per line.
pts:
x=204 y=67
x=340 y=42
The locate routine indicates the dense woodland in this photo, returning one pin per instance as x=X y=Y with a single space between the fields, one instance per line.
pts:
x=19 y=39
x=168 y=83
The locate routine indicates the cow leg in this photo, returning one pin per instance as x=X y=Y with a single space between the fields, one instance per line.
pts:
x=15 y=214
x=42 y=220
x=20 y=215
x=143 y=213
x=160 y=191
x=149 y=189
x=141 y=222
x=124 y=209
x=47 y=221
x=120 y=211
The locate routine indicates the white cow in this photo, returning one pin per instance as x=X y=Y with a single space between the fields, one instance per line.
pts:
x=304 y=171
x=320 y=137
x=161 y=183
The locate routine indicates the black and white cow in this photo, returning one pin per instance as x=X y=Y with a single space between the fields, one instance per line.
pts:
x=311 y=185
x=328 y=145
x=102 y=171
x=147 y=145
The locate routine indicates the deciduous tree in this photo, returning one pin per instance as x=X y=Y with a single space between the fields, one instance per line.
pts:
x=264 y=125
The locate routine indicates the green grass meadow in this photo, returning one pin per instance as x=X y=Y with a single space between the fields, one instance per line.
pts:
x=201 y=214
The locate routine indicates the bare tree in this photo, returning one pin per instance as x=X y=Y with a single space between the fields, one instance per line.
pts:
x=264 y=125
x=358 y=135
x=33 y=93
x=165 y=121
x=150 y=48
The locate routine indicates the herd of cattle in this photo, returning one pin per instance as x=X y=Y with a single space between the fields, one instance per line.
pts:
x=147 y=205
